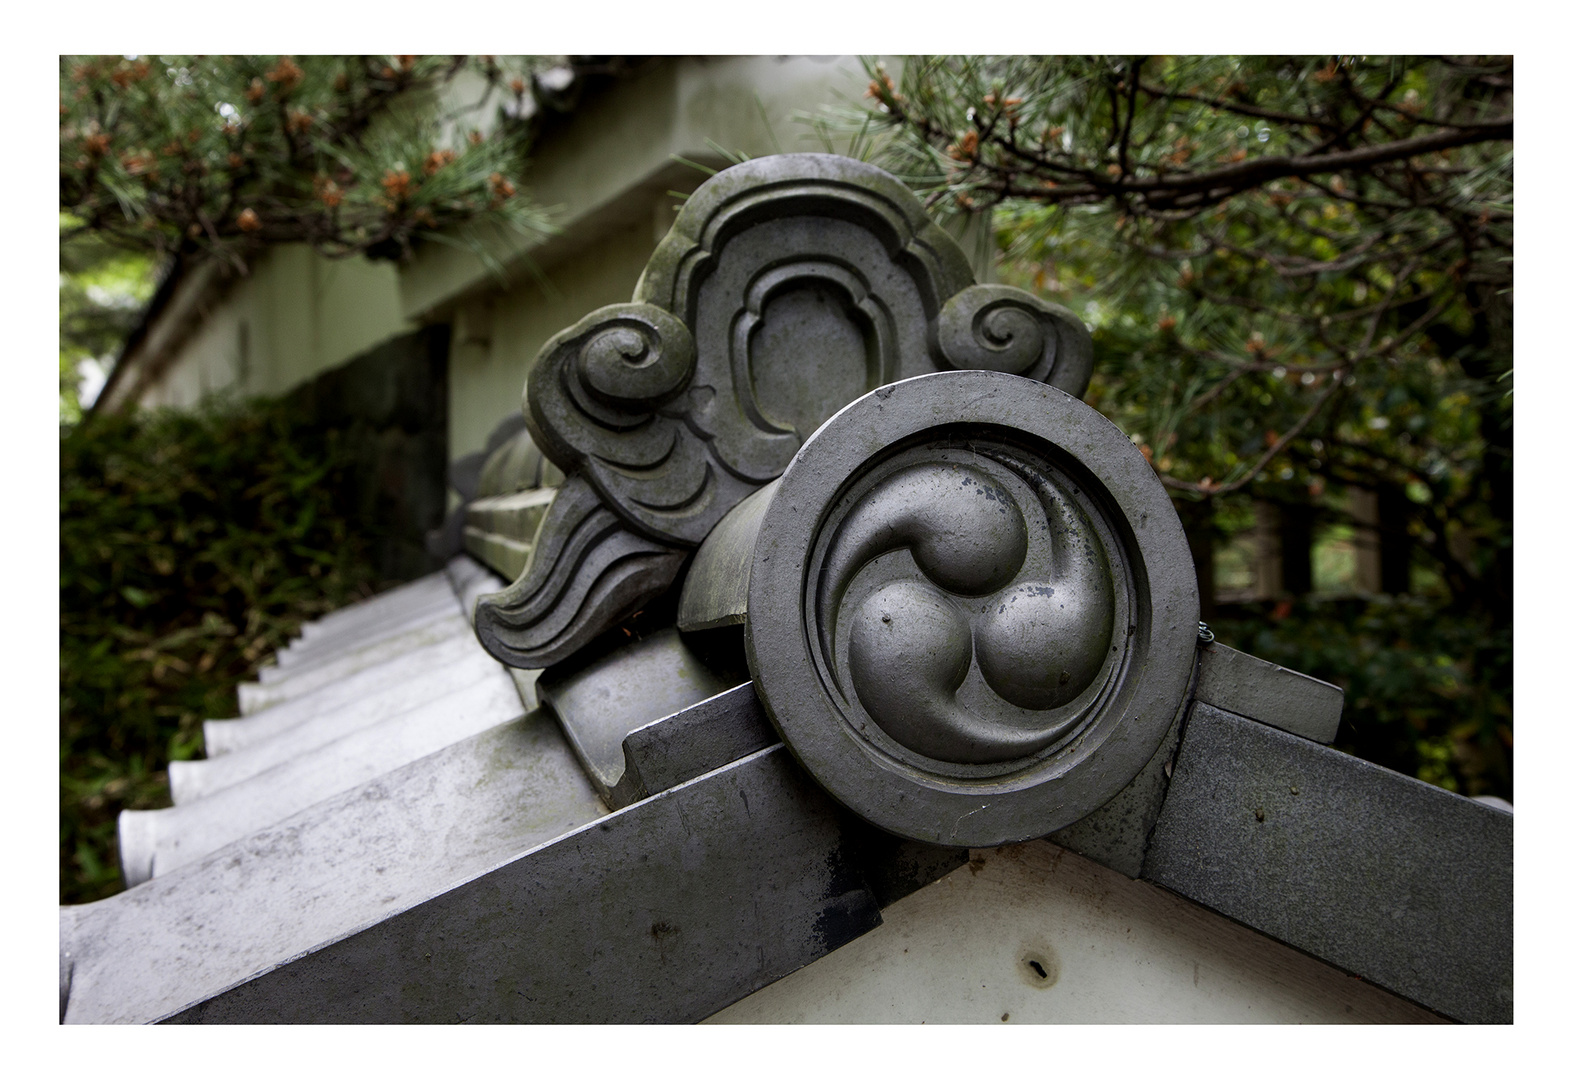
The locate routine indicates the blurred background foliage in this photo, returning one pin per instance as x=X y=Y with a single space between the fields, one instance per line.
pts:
x=351 y=154
x=171 y=159
x=1298 y=272
x=103 y=290
x=192 y=545
x=1426 y=691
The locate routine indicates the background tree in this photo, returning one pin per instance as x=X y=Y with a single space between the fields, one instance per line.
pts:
x=174 y=158
x=174 y=155
x=1299 y=274
x=192 y=546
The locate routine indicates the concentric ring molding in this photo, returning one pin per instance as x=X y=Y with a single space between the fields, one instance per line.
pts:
x=935 y=770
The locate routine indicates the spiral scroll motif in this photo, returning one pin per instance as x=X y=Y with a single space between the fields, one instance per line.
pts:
x=1000 y=328
x=637 y=359
x=967 y=602
x=787 y=285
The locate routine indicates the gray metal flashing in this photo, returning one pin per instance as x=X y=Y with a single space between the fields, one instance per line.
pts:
x=1247 y=685
x=664 y=912
x=1402 y=883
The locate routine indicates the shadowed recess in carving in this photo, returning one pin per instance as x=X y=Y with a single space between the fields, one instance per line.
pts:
x=809 y=340
x=586 y=572
x=1040 y=634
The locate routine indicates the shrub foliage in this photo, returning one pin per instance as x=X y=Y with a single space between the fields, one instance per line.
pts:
x=191 y=547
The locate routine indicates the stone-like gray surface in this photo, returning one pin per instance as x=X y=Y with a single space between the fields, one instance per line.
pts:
x=371 y=616
x=787 y=287
x=599 y=703
x=418 y=676
x=338 y=866
x=461 y=570
x=933 y=557
x=1246 y=685
x=254 y=697
x=479 y=690
x=1404 y=884
x=372 y=611
x=500 y=524
x=663 y=912
x=470 y=582
x=512 y=463
x=732 y=725
x=702 y=737
x=715 y=593
x=289 y=665
x=503 y=553
x=187 y=832
x=587 y=571
x=1116 y=834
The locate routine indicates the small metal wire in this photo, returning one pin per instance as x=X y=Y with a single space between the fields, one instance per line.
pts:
x=1204 y=633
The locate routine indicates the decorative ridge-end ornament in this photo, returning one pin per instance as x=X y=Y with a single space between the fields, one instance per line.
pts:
x=972 y=609
x=788 y=287
x=587 y=571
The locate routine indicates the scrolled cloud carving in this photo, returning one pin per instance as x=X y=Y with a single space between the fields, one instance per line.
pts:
x=587 y=571
x=598 y=386
x=787 y=287
x=637 y=359
x=1000 y=328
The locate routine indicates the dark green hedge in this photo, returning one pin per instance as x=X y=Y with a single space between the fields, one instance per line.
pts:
x=191 y=547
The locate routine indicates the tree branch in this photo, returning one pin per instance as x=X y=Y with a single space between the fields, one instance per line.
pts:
x=1209 y=488
x=1166 y=191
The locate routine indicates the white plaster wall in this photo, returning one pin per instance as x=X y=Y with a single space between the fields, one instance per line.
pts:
x=630 y=136
x=1111 y=951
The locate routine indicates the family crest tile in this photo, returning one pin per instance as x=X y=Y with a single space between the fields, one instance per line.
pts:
x=788 y=287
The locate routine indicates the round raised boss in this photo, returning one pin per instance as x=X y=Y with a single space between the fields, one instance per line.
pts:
x=972 y=610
